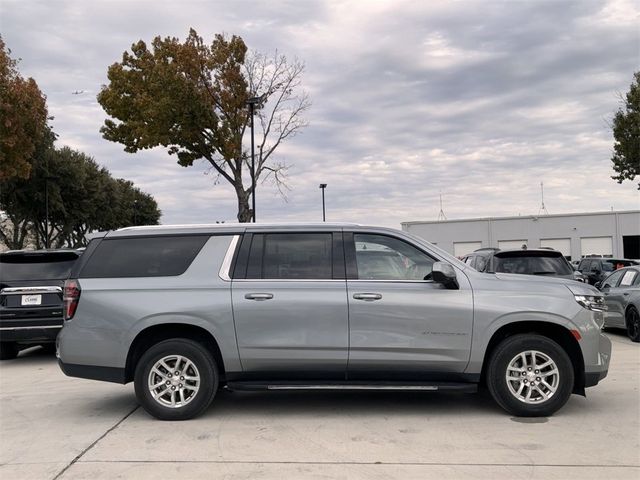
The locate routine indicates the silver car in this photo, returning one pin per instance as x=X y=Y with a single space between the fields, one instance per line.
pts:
x=185 y=310
x=621 y=291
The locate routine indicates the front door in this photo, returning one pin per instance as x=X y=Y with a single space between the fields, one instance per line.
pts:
x=290 y=306
x=402 y=324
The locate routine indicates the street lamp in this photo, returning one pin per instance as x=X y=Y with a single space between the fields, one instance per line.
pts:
x=322 y=187
x=46 y=209
x=254 y=103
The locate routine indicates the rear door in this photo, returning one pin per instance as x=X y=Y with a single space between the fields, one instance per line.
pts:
x=614 y=316
x=402 y=325
x=290 y=304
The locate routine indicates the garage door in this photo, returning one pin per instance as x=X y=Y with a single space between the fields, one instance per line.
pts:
x=596 y=246
x=508 y=244
x=460 y=249
x=561 y=244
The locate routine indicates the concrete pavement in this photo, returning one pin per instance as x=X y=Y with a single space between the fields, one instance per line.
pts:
x=52 y=426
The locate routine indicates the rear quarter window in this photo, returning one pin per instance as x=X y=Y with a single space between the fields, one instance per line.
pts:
x=159 y=256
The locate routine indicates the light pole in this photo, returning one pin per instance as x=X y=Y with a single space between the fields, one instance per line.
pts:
x=254 y=102
x=322 y=187
x=46 y=209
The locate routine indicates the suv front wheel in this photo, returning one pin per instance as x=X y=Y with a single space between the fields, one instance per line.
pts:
x=176 y=379
x=530 y=375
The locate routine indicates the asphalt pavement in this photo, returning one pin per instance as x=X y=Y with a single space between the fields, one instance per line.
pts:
x=55 y=427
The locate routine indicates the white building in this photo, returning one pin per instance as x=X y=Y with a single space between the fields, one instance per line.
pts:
x=611 y=234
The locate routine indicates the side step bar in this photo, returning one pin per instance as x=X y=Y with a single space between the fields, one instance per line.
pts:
x=400 y=386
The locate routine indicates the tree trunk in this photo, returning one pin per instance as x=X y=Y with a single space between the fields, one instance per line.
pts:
x=244 y=211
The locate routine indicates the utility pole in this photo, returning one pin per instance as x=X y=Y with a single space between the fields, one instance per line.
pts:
x=441 y=215
x=322 y=187
x=542 y=210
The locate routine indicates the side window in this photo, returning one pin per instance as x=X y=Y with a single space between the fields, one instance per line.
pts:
x=612 y=280
x=628 y=279
x=481 y=263
x=158 y=256
x=584 y=265
x=379 y=257
x=302 y=256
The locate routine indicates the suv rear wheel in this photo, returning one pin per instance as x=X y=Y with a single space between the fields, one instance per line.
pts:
x=176 y=379
x=530 y=375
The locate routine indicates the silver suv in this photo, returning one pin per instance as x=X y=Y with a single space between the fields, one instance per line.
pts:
x=183 y=311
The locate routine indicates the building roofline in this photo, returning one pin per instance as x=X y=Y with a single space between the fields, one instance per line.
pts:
x=521 y=217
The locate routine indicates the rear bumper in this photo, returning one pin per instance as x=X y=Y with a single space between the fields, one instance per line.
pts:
x=30 y=331
x=93 y=372
x=592 y=379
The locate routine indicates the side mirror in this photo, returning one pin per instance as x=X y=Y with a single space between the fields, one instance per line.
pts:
x=598 y=285
x=445 y=274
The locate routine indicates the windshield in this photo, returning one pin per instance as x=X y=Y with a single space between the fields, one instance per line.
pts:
x=532 y=265
x=36 y=267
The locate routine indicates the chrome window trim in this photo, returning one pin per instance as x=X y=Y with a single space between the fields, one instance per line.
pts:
x=27 y=290
x=389 y=281
x=225 y=268
x=289 y=280
x=31 y=328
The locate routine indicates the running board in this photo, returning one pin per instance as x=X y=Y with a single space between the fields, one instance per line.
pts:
x=400 y=386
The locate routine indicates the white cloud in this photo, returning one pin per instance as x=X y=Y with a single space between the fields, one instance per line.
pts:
x=479 y=100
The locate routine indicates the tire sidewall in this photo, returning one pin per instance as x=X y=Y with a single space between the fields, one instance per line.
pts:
x=628 y=320
x=497 y=382
x=203 y=361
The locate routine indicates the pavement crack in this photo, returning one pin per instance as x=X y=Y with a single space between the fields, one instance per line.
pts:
x=81 y=454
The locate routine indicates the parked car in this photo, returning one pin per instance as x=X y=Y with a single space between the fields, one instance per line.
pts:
x=31 y=297
x=596 y=269
x=622 y=295
x=182 y=311
x=543 y=261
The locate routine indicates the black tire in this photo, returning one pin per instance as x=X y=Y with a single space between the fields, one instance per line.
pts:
x=498 y=386
x=9 y=350
x=207 y=370
x=632 y=320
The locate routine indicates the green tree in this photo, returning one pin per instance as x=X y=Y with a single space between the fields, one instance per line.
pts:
x=191 y=98
x=626 y=132
x=23 y=118
x=82 y=197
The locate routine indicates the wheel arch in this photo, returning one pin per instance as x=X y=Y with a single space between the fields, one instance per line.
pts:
x=553 y=331
x=154 y=334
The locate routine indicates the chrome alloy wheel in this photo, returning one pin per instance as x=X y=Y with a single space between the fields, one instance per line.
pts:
x=532 y=377
x=174 y=381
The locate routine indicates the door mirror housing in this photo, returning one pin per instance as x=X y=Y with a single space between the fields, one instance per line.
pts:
x=598 y=285
x=445 y=274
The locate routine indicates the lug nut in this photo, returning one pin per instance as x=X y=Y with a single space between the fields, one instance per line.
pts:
x=169 y=375
x=177 y=373
x=168 y=382
x=525 y=380
x=529 y=368
x=537 y=379
x=182 y=378
x=537 y=371
x=180 y=385
x=173 y=388
x=524 y=374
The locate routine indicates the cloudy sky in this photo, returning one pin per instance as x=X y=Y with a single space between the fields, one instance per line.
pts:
x=478 y=100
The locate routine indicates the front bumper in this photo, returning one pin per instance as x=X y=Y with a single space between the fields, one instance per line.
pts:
x=598 y=370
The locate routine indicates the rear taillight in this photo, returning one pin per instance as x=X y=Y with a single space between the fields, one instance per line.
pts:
x=70 y=298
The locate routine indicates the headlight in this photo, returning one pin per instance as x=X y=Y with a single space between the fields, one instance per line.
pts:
x=592 y=302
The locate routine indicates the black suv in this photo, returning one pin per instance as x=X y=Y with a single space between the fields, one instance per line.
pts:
x=31 y=297
x=543 y=261
x=596 y=269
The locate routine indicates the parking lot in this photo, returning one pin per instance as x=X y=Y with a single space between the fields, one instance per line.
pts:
x=52 y=426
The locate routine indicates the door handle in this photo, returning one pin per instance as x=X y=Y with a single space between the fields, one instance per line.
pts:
x=626 y=294
x=367 y=297
x=259 y=296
